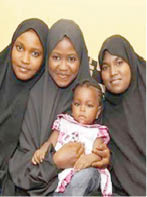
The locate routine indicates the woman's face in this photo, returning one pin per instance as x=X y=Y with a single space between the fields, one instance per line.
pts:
x=116 y=73
x=27 y=55
x=63 y=63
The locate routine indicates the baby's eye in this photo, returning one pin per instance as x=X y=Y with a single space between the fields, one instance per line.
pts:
x=19 y=48
x=90 y=105
x=76 y=104
x=35 y=53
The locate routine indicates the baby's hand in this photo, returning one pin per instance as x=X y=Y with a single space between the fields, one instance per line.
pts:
x=38 y=157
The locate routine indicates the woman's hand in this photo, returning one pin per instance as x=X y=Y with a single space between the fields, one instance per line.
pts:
x=66 y=156
x=85 y=161
x=102 y=151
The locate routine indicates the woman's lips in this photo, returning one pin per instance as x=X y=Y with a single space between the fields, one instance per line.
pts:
x=23 y=69
x=115 y=81
x=63 y=75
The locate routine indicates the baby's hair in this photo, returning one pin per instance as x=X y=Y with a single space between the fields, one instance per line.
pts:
x=88 y=84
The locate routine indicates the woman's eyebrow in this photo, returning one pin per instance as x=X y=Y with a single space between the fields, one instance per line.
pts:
x=105 y=62
x=18 y=42
x=33 y=48
x=118 y=58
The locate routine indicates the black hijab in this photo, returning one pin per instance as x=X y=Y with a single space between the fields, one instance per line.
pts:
x=46 y=101
x=125 y=116
x=14 y=94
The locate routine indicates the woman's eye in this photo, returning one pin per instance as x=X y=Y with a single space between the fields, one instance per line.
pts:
x=19 y=48
x=120 y=62
x=35 y=53
x=72 y=59
x=56 y=57
x=104 y=67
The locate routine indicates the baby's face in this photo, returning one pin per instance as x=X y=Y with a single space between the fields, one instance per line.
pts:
x=85 y=105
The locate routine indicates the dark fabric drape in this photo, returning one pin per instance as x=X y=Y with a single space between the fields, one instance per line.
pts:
x=125 y=116
x=46 y=101
x=14 y=95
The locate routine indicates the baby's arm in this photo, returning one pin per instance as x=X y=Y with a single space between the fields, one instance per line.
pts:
x=39 y=154
x=86 y=161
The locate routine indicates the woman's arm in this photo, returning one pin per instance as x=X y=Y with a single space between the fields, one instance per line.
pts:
x=66 y=156
x=86 y=160
x=35 y=179
x=69 y=154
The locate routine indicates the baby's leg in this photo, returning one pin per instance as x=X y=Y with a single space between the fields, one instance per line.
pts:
x=83 y=182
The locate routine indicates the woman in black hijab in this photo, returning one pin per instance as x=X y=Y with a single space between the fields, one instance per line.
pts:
x=50 y=96
x=124 y=76
x=21 y=64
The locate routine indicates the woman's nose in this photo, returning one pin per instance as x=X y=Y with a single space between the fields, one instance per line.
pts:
x=113 y=70
x=25 y=58
x=63 y=65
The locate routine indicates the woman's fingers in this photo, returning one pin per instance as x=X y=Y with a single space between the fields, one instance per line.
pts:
x=103 y=152
x=102 y=147
x=101 y=164
x=81 y=150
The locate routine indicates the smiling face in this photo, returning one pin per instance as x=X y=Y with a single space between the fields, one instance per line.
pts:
x=116 y=73
x=27 y=55
x=85 y=105
x=63 y=63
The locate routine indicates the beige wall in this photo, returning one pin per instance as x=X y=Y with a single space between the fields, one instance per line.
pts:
x=98 y=19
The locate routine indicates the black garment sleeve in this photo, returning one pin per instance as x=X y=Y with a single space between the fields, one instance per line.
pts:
x=35 y=179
